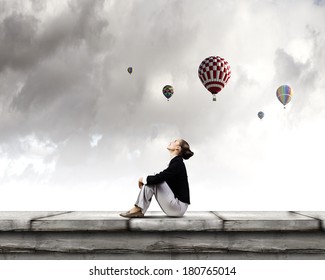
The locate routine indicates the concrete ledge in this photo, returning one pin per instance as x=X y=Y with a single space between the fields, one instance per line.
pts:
x=197 y=235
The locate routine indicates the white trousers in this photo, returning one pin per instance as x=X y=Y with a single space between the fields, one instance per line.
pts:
x=171 y=205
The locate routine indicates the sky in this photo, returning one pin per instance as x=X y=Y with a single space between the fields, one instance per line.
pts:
x=77 y=130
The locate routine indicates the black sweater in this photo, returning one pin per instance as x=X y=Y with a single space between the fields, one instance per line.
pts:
x=175 y=176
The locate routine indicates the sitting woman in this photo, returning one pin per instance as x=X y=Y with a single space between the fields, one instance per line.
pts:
x=170 y=187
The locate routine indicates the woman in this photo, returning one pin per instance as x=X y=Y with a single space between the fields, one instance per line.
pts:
x=170 y=187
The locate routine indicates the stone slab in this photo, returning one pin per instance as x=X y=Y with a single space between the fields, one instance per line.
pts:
x=266 y=221
x=218 y=234
x=157 y=221
x=191 y=221
x=149 y=243
x=163 y=256
x=82 y=221
x=319 y=215
x=21 y=220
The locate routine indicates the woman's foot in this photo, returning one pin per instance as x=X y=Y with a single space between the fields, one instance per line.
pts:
x=135 y=212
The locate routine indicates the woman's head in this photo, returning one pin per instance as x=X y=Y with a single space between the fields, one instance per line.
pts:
x=185 y=151
x=180 y=147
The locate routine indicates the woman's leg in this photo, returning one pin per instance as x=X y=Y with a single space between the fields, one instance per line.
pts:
x=144 y=197
x=171 y=205
x=165 y=198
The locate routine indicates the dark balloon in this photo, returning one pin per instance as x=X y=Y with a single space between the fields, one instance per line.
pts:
x=260 y=115
x=168 y=91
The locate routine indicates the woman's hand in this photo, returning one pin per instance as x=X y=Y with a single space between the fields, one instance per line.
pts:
x=140 y=183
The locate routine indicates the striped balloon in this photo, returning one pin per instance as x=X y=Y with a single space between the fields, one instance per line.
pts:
x=214 y=73
x=284 y=94
x=168 y=91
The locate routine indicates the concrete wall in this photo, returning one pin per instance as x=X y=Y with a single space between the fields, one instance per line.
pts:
x=197 y=235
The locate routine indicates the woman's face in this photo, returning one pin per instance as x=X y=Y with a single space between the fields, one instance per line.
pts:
x=174 y=145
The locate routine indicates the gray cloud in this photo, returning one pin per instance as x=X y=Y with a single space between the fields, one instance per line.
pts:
x=286 y=68
x=28 y=40
x=58 y=60
x=17 y=33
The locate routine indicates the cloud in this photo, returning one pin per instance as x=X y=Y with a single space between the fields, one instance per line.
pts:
x=28 y=39
x=286 y=68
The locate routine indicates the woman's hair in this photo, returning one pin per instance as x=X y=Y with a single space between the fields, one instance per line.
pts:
x=185 y=152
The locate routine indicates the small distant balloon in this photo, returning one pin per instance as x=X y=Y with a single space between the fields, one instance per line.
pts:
x=214 y=73
x=260 y=114
x=130 y=70
x=168 y=91
x=284 y=93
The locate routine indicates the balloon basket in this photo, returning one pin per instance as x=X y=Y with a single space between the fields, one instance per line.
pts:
x=214 y=98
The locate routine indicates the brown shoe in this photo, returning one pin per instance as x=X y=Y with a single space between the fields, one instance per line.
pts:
x=128 y=214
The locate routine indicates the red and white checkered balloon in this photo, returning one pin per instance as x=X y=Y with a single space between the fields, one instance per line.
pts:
x=214 y=73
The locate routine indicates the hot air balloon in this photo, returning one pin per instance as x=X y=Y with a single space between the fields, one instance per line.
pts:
x=130 y=70
x=284 y=94
x=260 y=114
x=214 y=73
x=168 y=91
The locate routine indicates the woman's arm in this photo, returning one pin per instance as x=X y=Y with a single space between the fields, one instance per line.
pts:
x=174 y=168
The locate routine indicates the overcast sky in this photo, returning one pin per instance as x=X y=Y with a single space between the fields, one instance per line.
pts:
x=77 y=130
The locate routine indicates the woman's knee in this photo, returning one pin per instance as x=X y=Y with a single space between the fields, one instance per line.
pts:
x=176 y=212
